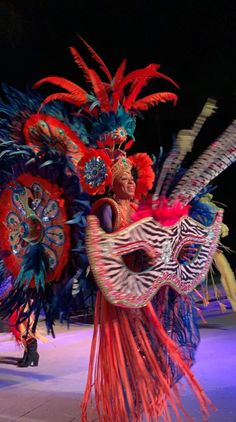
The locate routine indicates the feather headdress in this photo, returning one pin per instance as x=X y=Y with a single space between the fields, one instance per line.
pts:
x=111 y=108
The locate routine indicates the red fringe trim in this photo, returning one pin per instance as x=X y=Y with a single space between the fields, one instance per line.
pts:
x=129 y=369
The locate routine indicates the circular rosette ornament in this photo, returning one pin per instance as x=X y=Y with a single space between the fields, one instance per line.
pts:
x=95 y=171
x=45 y=132
x=120 y=134
x=143 y=174
x=34 y=237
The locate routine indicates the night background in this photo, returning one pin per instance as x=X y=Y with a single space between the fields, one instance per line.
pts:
x=195 y=43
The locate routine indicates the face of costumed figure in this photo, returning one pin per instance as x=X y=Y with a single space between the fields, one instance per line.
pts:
x=124 y=186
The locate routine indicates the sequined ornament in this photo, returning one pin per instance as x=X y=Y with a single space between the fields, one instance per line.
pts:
x=94 y=170
x=33 y=220
x=120 y=134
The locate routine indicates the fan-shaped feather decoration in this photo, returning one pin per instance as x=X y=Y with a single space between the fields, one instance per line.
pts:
x=38 y=255
x=183 y=145
x=217 y=157
x=213 y=152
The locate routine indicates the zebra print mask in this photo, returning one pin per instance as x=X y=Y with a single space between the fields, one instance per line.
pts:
x=111 y=257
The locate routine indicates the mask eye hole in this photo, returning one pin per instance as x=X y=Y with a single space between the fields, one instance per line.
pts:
x=188 y=253
x=137 y=261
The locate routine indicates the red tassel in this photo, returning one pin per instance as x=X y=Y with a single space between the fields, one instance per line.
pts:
x=129 y=369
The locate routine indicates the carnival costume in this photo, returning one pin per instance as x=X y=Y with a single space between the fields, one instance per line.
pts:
x=40 y=199
x=145 y=334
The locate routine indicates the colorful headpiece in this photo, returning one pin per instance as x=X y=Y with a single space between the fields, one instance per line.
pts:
x=111 y=108
x=121 y=165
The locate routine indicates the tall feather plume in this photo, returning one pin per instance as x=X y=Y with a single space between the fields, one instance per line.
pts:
x=140 y=83
x=167 y=168
x=154 y=99
x=133 y=76
x=135 y=89
x=218 y=147
x=183 y=145
x=98 y=59
x=217 y=157
x=62 y=96
x=100 y=91
x=62 y=83
x=81 y=64
x=119 y=74
x=142 y=73
x=116 y=81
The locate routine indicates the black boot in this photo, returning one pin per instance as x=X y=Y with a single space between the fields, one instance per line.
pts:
x=23 y=357
x=31 y=358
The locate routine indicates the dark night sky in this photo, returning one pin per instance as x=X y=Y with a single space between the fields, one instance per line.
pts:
x=195 y=42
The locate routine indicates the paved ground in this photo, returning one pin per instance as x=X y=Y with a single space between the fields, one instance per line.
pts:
x=52 y=391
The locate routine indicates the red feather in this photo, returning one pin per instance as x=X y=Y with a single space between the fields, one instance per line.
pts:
x=133 y=77
x=100 y=144
x=119 y=74
x=137 y=74
x=98 y=59
x=139 y=84
x=128 y=145
x=167 y=78
x=62 y=83
x=100 y=91
x=117 y=79
x=62 y=96
x=81 y=63
x=144 y=74
x=154 y=99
